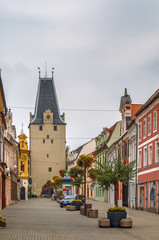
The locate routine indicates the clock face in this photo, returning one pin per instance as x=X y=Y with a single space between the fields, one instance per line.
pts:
x=48 y=116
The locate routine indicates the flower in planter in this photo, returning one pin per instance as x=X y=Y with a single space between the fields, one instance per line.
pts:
x=116 y=209
x=2 y=222
x=76 y=200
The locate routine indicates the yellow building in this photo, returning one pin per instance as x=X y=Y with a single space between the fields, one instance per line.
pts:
x=23 y=167
x=47 y=136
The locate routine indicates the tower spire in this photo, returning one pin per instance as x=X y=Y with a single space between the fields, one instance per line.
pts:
x=46 y=69
x=22 y=130
x=52 y=72
x=39 y=71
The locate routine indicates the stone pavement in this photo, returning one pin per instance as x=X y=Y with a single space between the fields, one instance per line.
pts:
x=43 y=219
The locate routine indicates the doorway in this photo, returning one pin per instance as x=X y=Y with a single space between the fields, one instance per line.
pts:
x=22 y=193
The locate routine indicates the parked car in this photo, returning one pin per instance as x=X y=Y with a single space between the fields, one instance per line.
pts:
x=67 y=200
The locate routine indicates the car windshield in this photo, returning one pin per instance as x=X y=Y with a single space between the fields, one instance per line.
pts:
x=70 y=196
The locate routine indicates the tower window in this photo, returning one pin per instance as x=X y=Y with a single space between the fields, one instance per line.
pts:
x=43 y=140
x=51 y=140
x=47 y=136
x=50 y=169
x=22 y=166
x=40 y=128
x=47 y=155
x=55 y=128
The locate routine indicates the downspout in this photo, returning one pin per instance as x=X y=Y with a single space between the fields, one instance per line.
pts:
x=136 y=164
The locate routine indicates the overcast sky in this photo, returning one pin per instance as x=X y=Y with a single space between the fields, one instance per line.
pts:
x=97 y=47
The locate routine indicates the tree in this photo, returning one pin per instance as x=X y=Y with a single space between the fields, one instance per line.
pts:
x=76 y=174
x=111 y=172
x=85 y=161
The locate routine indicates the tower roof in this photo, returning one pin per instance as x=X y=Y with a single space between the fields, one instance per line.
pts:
x=126 y=99
x=46 y=99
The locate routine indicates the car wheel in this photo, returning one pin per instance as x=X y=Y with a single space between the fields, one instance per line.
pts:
x=61 y=206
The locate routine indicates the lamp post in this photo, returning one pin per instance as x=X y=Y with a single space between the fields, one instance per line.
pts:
x=85 y=190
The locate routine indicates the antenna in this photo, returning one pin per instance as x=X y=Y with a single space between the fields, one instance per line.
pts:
x=39 y=71
x=46 y=69
x=52 y=72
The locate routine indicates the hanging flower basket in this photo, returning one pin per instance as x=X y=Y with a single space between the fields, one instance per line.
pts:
x=75 y=171
x=92 y=173
x=62 y=172
x=85 y=161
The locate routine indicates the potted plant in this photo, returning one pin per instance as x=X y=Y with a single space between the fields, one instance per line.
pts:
x=2 y=222
x=77 y=202
x=115 y=214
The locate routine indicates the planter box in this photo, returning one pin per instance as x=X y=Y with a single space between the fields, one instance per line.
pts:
x=77 y=204
x=88 y=205
x=115 y=218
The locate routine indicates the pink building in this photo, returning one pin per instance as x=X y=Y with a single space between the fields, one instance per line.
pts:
x=148 y=154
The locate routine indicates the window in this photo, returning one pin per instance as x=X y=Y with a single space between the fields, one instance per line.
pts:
x=155 y=120
x=40 y=128
x=145 y=157
x=139 y=159
x=152 y=194
x=55 y=128
x=47 y=155
x=139 y=131
x=149 y=124
x=47 y=136
x=157 y=152
x=51 y=140
x=43 y=140
x=144 y=133
x=22 y=166
x=50 y=169
x=150 y=154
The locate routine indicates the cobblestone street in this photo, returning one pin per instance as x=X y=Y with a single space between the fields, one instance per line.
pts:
x=40 y=219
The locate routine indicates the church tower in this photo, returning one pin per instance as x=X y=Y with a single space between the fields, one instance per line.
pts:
x=47 y=136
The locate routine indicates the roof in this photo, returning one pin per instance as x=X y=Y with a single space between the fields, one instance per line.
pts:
x=134 y=109
x=2 y=92
x=126 y=99
x=46 y=99
x=148 y=102
x=110 y=130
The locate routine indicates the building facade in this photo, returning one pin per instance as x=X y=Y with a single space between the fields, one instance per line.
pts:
x=47 y=136
x=23 y=167
x=11 y=152
x=103 y=141
x=3 y=112
x=148 y=154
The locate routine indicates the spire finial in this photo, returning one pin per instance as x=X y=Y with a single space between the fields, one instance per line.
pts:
x=52 y=72
x=46 y=69
x=39 y=71
x=126 y=92
x=22 y=130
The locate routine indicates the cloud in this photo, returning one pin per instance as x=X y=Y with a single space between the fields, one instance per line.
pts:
x=97 y=48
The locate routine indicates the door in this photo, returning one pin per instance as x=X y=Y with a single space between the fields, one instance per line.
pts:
x=125 y=195
x=87 y=191
x=3 y=193
x=22 y=193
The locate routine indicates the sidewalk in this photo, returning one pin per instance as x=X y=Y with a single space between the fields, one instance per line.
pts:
x=43 y=219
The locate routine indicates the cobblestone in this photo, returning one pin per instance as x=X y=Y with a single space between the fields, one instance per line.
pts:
x=43 y=219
